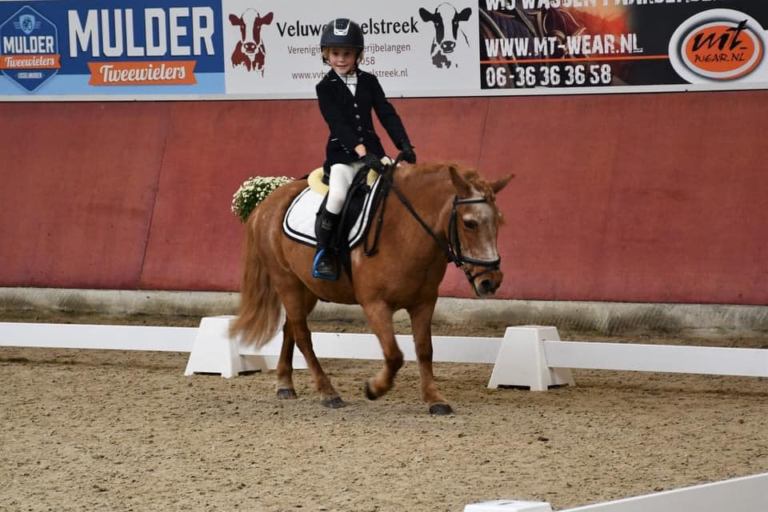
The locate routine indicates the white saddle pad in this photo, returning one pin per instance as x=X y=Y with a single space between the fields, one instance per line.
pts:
x=299 y=220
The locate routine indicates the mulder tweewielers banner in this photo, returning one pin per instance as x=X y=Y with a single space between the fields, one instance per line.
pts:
x=263 y=49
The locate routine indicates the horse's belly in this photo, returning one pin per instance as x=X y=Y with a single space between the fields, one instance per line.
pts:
x=338 y=292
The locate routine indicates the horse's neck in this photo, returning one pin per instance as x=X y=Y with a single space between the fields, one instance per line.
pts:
x=431 y=196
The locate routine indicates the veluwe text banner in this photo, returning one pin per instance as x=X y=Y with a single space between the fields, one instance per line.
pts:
x=269 y=49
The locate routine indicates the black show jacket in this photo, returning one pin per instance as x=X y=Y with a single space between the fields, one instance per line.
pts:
x=349 y=117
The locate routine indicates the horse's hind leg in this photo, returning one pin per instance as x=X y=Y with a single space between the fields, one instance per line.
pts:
x=330 y=398
x=380 y=317
x=285 y=389
x=298 y=305
x=421 y=323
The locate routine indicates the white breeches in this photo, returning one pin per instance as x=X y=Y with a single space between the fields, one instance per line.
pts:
x=339 y=183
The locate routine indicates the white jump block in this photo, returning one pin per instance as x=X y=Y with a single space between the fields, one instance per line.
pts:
x=509 y=506
x=536 y=358
x=213 y=351
x=522 y=361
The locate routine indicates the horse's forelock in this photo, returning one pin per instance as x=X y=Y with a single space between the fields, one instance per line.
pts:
x=485 y=188
x=481 y=185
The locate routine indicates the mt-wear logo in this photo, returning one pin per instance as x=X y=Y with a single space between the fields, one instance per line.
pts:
x=717 y=45
x=29 y=49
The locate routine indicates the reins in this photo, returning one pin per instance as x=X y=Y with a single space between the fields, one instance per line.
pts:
x=451 y=249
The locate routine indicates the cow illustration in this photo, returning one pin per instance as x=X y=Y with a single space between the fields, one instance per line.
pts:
x=249 y=51
x=446 y=20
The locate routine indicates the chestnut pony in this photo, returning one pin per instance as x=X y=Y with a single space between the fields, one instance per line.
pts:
x=441 y=213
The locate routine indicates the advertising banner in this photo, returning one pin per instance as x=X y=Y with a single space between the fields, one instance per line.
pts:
x=263 y=49
x=110 y=47
x=623 y=45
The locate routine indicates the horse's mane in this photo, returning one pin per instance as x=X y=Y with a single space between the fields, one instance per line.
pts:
x=436 y=170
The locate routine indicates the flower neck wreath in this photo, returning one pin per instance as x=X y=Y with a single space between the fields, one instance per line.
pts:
x=253 y=191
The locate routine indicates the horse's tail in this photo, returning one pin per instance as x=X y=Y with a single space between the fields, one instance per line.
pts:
x=258 y=318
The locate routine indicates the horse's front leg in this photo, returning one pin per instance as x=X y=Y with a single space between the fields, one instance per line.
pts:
x=421 y=323
x=380 y=317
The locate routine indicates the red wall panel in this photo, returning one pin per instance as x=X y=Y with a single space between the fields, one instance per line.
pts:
x=655 y=198
x=634 y=198
x=212 y=147
x=77 y=187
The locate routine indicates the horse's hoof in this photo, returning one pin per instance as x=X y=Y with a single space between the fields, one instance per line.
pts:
x=334 y=403
x=286 y=394
x=368 y=393
x=440 y=409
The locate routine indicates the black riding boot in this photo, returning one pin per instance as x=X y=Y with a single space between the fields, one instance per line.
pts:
x=325 y=264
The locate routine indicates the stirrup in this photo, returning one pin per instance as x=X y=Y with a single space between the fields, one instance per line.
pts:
x=333 y=275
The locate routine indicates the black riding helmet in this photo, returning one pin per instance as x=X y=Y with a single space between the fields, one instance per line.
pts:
x=342 y=33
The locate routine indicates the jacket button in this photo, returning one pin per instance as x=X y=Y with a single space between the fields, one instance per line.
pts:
x=359 y=128
x=360 y=139
x=355 y=105
x=357 y=116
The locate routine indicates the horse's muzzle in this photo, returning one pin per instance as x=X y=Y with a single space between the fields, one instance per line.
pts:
x=487 y=284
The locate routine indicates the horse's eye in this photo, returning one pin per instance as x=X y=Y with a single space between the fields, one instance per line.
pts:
x=470 y=225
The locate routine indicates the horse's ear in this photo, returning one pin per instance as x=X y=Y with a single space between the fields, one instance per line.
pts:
x=462 y=187
x=499 y=184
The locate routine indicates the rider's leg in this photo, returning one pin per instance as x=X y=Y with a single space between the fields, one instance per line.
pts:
x=338 y=185
x=324 y=265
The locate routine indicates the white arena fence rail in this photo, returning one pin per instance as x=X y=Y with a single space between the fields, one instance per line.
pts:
x=745 y=494
x=531 y=356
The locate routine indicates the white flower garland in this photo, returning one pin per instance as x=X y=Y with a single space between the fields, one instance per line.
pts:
x=253 y=191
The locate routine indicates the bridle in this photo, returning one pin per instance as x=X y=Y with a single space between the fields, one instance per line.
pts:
x=452 y=248
x=454 y=244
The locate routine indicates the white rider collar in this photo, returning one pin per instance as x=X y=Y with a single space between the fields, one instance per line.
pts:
x=350 y=80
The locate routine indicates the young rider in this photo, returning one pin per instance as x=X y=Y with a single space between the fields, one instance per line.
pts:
x=346 y=96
